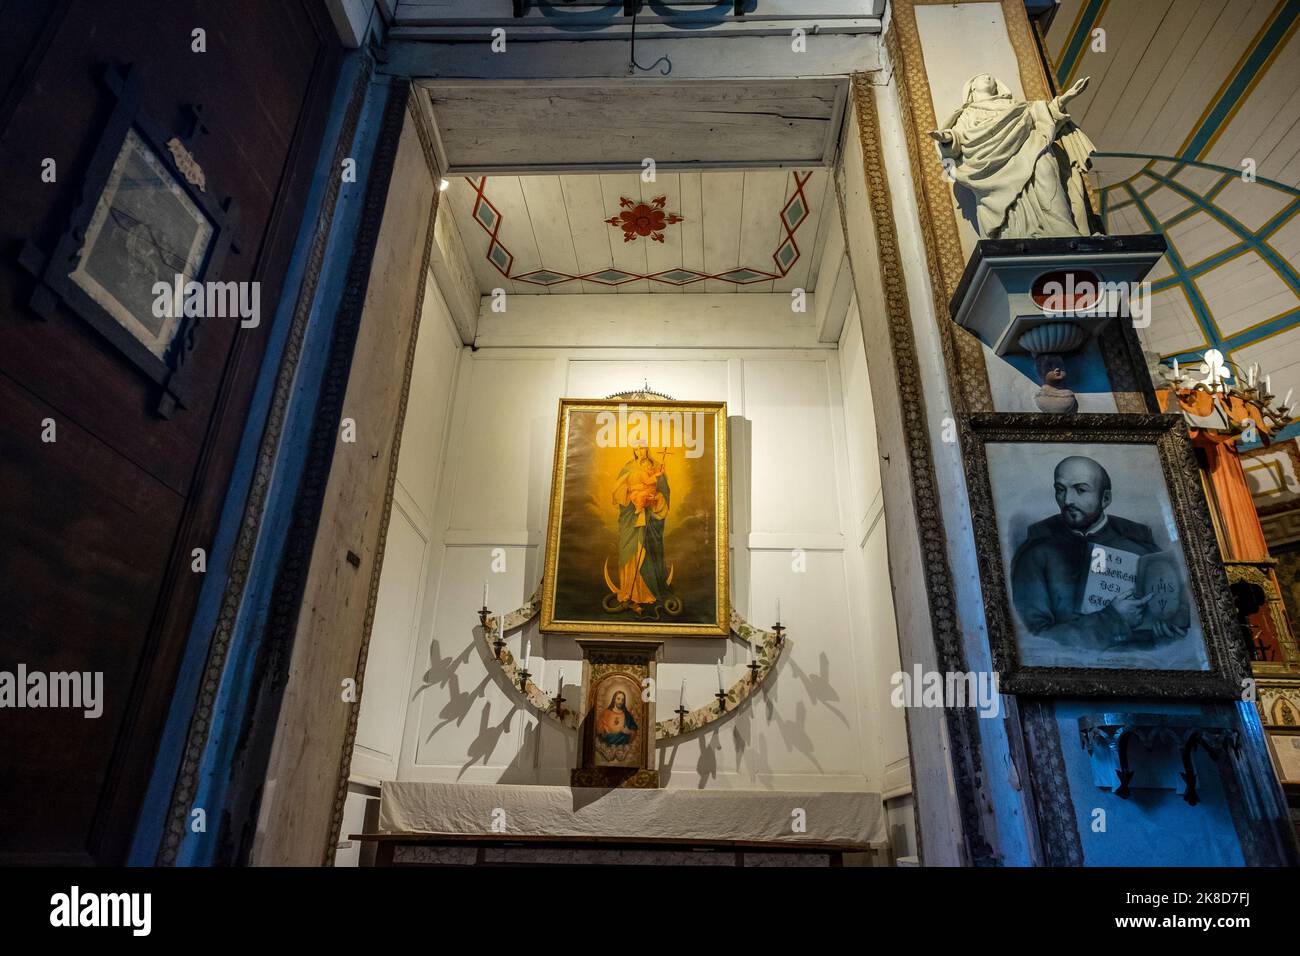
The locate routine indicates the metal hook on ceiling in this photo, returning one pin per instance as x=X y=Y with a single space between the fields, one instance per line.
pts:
x=632 y=65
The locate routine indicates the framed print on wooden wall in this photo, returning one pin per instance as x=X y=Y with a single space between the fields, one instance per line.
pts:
x=1100 y=568
x=637 y=539
x=147 y=220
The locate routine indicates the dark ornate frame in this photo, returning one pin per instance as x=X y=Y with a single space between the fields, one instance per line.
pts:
x=636 y=660
x=53 y=272
x=1208 y=579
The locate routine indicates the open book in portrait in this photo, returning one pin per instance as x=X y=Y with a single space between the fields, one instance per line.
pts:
x=1114 y=571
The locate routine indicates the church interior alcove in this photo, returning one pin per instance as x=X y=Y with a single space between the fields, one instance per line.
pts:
x=740 y=292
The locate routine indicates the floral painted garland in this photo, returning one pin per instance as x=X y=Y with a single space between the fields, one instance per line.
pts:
x=766 y=655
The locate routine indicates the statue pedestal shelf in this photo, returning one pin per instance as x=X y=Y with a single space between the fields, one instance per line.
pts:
x=1153 y=751
x=1071 y=288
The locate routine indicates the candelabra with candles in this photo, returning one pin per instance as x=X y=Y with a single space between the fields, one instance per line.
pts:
x=1234 y=400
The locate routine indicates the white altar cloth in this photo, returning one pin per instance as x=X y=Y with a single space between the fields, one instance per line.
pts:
x=467 y=809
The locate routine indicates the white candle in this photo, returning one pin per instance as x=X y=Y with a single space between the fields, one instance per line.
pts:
x=778 y=610
x=719 y=667
x=751 y=651
x=1286 y=402
x=485 y=593
x=681 y=700
x=1268 y=385
x=560 y=686
x=528 y=652
x=1251 y=380
x=1175 y=370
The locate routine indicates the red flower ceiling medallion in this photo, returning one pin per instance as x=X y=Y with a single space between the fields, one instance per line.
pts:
x=642 y=219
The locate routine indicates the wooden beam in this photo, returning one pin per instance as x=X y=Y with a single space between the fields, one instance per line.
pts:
x=455 y=276
x=588 y=14
x=693 y=58
x=834 y=286
x=689 y=320
x=312 y=743
x=508 y=126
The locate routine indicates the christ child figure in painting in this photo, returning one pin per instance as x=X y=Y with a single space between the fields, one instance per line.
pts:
x=641 y=496
x=616 y=727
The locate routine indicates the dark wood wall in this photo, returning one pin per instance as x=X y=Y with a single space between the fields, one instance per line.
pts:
x=96 y=529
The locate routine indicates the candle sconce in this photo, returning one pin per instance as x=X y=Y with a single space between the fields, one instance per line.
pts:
x=1169 y=741
x=722 y=701
x=524 y=674
x=681 y=713
x=754 y=667
x=779 y=630
x=558 y=700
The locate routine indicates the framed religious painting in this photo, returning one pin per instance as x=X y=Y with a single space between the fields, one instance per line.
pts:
x=138 y=253
x=616 y=726
x=637 y=539
x=1099 y=564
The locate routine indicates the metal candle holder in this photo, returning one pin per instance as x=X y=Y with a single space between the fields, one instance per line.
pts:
x=754 y=667
x=722 y=700
x=523 y=679
x=779 y=630
x=559 y=700
x=681 y=718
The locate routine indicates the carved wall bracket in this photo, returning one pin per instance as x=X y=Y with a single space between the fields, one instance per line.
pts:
x=1169 y=742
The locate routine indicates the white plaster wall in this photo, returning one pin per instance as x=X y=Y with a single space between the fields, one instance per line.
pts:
x=805 y=476
x=408 y=556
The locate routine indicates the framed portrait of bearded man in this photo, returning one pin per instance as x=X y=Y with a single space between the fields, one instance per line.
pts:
x=1099 y=563
x=637 y=538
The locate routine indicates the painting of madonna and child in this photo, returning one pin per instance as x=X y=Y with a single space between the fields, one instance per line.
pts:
x=1093 y=559
x=637 y=539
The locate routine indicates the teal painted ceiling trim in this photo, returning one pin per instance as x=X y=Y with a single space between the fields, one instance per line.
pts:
x=1074 y=48
x=1251 y=67
x=1184 y=274
x=1229 y=173
x=1202 y=312
x=1259 y=246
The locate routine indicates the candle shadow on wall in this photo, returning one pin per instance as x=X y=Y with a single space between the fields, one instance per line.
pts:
x=818 y=686
x=442 y=673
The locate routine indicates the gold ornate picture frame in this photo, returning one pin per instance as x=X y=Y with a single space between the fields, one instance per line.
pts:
x=637 y=541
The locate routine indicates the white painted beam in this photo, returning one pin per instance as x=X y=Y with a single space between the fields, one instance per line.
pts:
x=835 y=299
x=589 y=14
x=692 y=58
x=834 y=284
x=690 y=320
x=492 y=128
x=539 y=29
x=455 y=277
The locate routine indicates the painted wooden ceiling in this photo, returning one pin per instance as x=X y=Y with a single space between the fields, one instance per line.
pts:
x=1186 y=97
x=717 y=232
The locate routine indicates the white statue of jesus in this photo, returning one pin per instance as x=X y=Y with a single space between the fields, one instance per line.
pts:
x=1024 y=162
